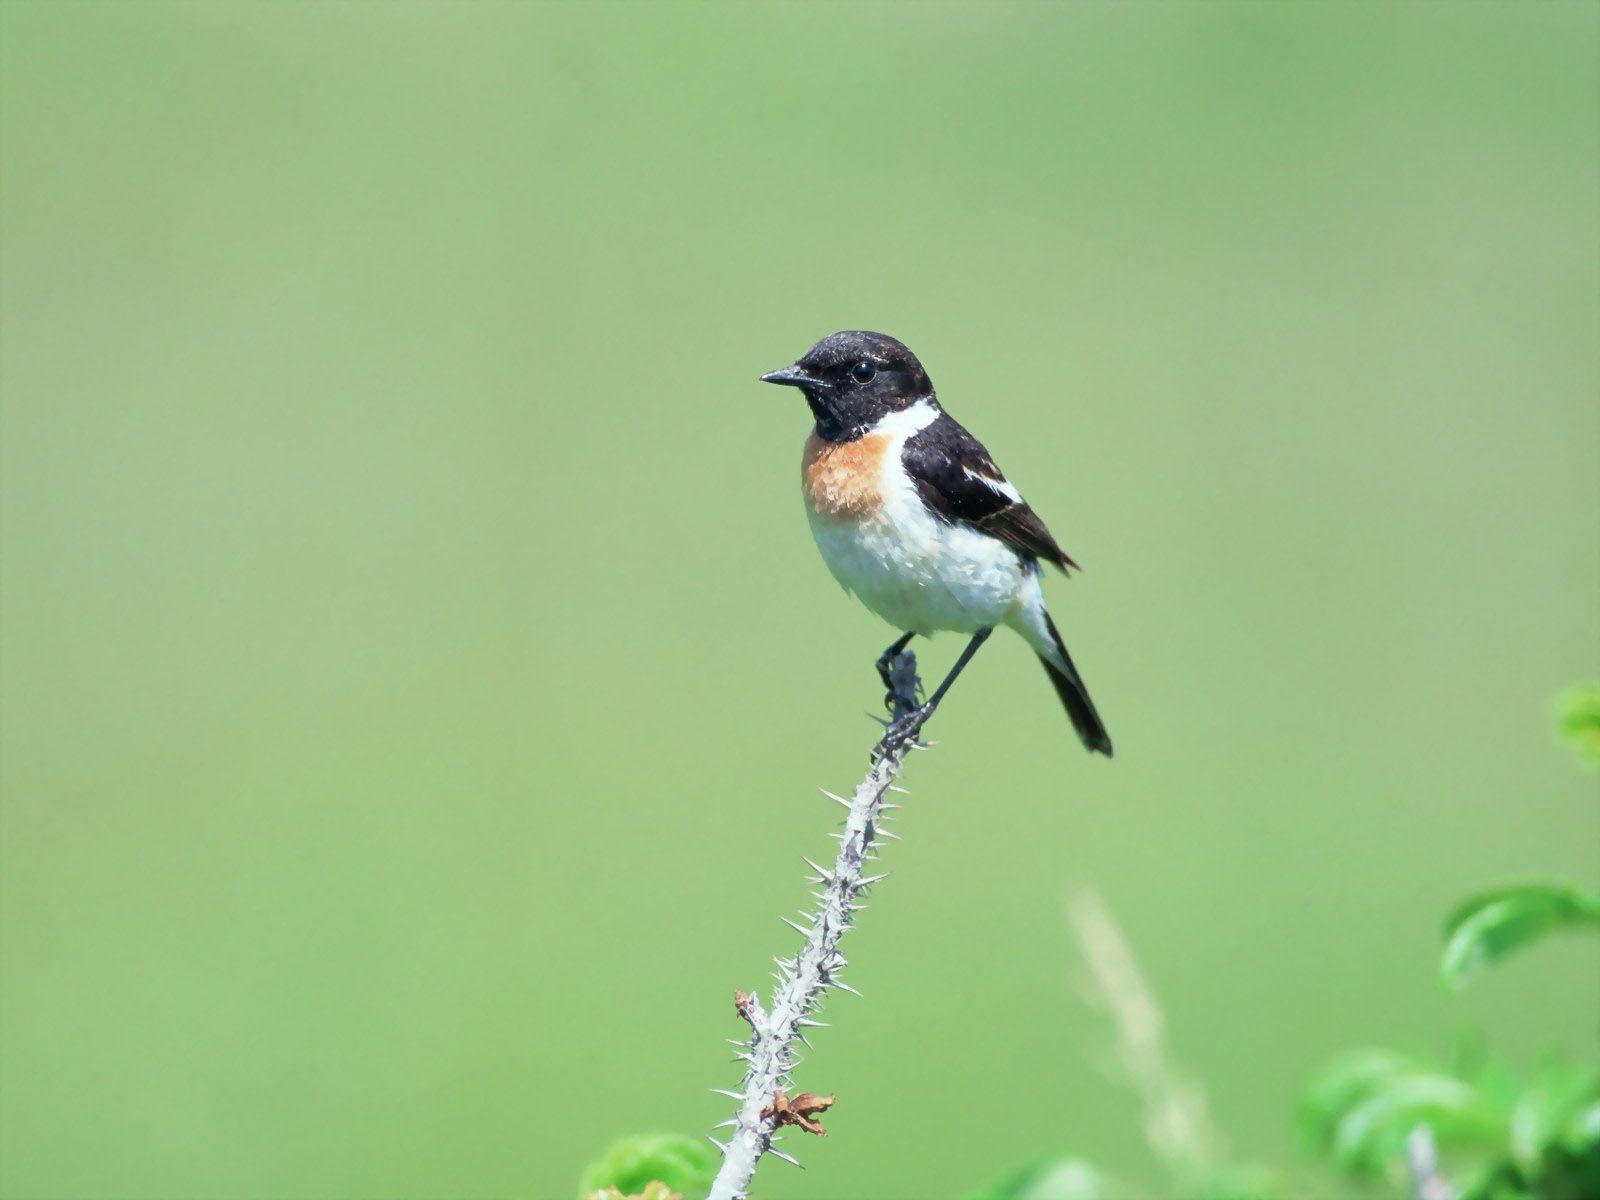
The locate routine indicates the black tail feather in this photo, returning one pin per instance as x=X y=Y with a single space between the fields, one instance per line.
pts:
x=1069 y=686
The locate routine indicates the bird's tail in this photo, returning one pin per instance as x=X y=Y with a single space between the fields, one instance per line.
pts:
x=1035 y=625
x=1069 y=686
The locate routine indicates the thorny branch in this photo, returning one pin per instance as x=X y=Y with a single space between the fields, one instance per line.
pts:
x=764 y=1103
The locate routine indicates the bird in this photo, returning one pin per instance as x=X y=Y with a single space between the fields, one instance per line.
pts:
x=913 y=516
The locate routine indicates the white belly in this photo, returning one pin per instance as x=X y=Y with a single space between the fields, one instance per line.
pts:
x=919 y=573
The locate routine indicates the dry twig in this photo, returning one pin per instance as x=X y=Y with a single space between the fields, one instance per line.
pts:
x=1177 y=1123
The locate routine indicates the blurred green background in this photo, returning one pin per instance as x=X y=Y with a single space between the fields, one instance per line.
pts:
x=417 y=671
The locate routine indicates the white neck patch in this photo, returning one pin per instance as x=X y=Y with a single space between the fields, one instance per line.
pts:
x=907 y=421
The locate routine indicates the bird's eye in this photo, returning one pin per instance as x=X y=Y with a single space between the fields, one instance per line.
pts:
x=863 y=372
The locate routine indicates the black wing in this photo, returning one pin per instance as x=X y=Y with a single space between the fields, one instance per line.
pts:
x=959 y=481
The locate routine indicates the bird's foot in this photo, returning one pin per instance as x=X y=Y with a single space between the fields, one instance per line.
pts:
x=894 y=690
x=886 y=674
x=905 y=728
x=893 y=701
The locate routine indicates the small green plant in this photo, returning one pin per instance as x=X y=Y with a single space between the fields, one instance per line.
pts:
x=1503 y=1136
x=632 y=1164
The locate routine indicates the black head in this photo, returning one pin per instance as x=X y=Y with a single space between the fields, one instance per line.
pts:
x=853 y=379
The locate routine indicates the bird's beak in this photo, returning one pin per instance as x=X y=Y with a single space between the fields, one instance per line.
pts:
x=795 y=377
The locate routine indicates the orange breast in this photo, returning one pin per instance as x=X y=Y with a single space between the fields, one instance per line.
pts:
x=844 y=480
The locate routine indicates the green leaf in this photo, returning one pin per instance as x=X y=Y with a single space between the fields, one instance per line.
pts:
x=1347 y=1081
x=1583 y=1131
x=1568 y=1176
x=1485 y=928
x=1373 y=1133
x=683 y=1164
x=1495 y=1181
x=1579 y=721
x=1496 y=1082
x=1050 y=1179
x=1361 y=1108
x=1558 y=1111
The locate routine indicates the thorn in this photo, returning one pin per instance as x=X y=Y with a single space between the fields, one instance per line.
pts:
x=888 y=808
x=807 y=1021
x=728 y=1092
x=797 y=928
x=730 y=1122
x=884 y=833
x=823 y=871
x=841 y=984
x=835 y=799
x=788 y=1158
x=722 y=1146
x=895 y=787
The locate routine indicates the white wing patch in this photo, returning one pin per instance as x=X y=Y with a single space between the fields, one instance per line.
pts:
x=1001 y=487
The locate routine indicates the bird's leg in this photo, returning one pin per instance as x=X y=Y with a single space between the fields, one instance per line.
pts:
x=978 y=639
x=909 y=725
x=886 y=662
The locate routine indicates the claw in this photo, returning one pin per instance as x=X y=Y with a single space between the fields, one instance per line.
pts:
x=905 y=729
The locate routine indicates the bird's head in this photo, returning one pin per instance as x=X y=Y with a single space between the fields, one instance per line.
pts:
x=853 y=379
